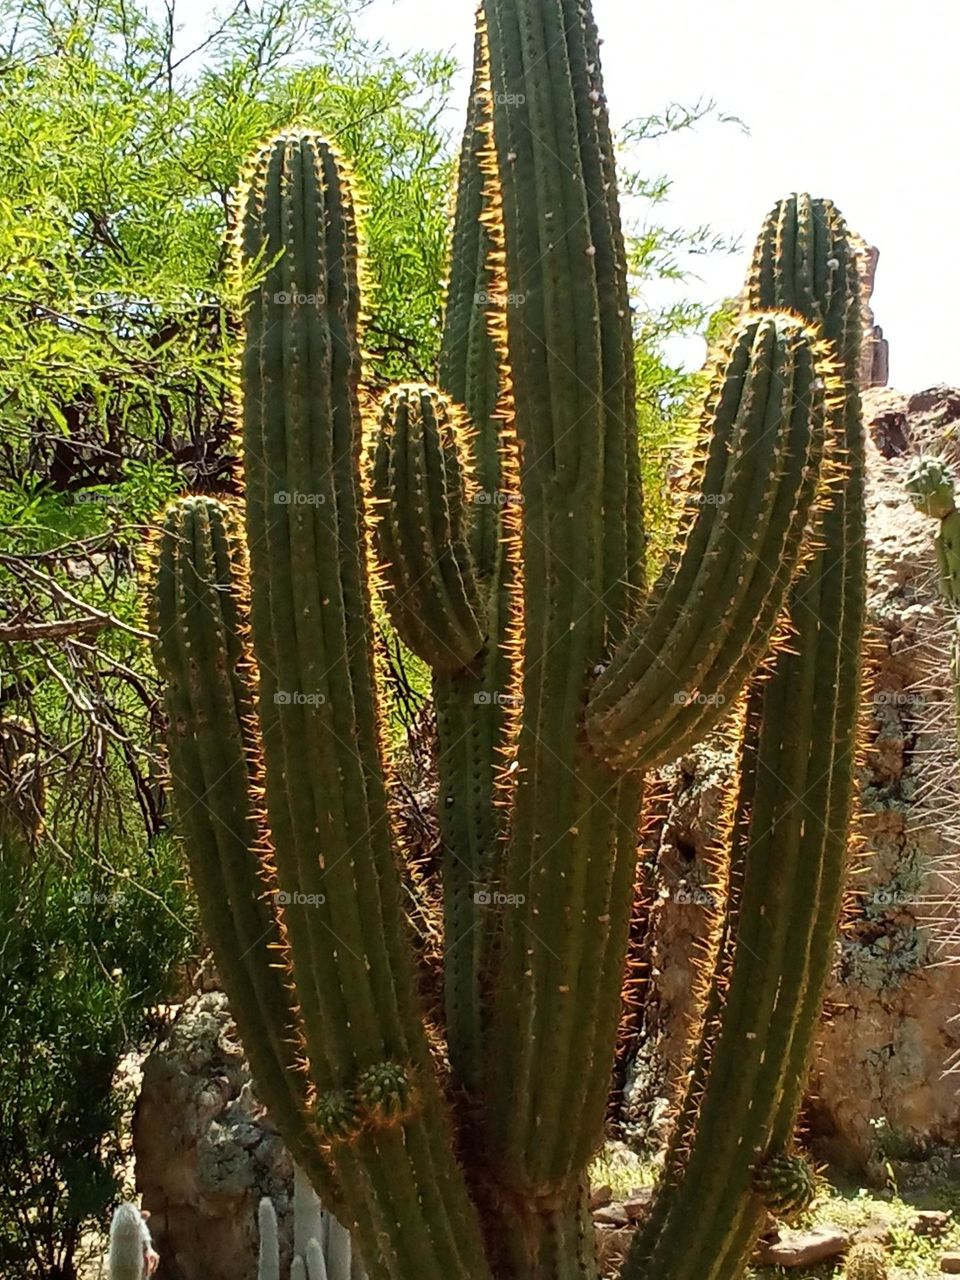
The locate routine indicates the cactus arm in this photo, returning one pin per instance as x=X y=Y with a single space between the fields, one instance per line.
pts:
x=798 y=792
x=476 y=707
x=685 y=663
x=573 y=819
x=420 y=531
x=311 y=628
x=931 y=486
x=209 y=705
x=469 y=357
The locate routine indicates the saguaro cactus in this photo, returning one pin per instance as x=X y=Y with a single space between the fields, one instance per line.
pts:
x=506 y=540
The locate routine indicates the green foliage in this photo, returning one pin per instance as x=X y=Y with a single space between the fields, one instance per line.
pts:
x=85 y=954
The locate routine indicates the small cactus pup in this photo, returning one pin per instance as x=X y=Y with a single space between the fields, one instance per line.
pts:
x=787 y=1185
x=866 y=1261
x=498 y=519
x=131 y=1255
x=932 y=487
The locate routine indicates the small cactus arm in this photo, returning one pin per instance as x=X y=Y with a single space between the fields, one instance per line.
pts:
x=555 y=683
x=931 y=485
x=866 y=1261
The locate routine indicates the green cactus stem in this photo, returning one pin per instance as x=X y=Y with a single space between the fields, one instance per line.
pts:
x=421 y=537
x=500 y=521
x=718 y=603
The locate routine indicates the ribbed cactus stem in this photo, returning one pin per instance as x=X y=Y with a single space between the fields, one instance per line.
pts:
x=714 y=611
x=421 y=529
x=502 y=528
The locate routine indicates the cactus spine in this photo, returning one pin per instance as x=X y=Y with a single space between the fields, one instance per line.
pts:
x=506 y=540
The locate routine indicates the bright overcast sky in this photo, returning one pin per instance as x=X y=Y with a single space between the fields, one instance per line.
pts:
x=858 y=100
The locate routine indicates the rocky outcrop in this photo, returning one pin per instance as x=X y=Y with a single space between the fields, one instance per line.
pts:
x=875 y=353
x=878 y=1089
x=205 y=1152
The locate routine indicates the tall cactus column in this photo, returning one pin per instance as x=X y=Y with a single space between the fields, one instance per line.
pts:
x=736 y=1123
x=368 y=1085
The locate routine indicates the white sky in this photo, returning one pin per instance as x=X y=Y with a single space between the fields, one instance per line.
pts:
x=858 y=100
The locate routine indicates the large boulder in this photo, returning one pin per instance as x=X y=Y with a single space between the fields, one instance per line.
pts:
x=205 y=1151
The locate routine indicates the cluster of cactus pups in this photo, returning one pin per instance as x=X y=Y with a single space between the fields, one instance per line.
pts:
x=931 y=485
x=499 y=520
x=322 y=1249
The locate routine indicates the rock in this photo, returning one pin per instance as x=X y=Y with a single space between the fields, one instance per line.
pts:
x=613 y=1215
x=600 y=1196
x=637 y=1204
x=205 y=1154
x=950 y=1264
x=878 y=1092
x=803 y=1248
x=931 y=1222
x=875 y=353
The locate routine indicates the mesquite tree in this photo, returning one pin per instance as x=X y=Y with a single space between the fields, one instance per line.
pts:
x=499 y=519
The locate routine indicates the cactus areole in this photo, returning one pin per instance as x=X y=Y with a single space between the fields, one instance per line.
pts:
x=499 y=520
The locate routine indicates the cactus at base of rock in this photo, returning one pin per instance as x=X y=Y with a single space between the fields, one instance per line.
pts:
x=322 y=1248
x=931 y=485
x=499 y=520
x=866 y=1261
